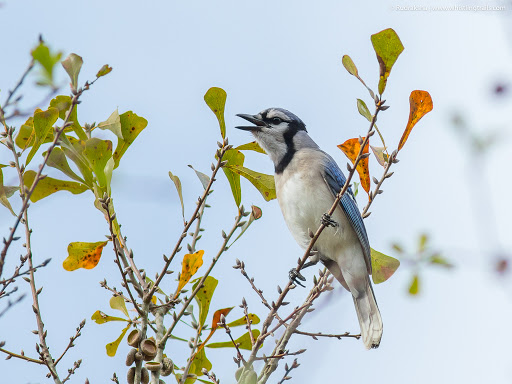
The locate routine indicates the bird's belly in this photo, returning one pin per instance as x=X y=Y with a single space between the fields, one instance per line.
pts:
x=303 y=203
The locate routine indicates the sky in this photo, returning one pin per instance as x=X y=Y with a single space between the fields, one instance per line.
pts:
x=287 y=54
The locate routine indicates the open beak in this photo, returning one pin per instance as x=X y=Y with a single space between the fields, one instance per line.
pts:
x=258 y=123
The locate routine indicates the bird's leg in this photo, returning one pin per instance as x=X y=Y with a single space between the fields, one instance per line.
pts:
x=327 y=221
x=295 y=275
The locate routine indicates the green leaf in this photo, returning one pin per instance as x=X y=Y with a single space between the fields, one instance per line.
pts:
x=243 y=321
x=383 y=266
x=117 y=302
x=131 y=126
x=102 y=318
x=356 y=188
x=98 y=152
x=204 y=179
x=414 y=288
x=215 y=98
x=363 y=110
x=234 y=158
x=48 y=186
x=349 y=65
x=58 y=160
x=352 y=69
x=422 y=242
x=105 y=70
x=42 y=55
x=437 y=259
x=3 y=194
x=263 y=183
x=252 y=146
x=63 y=103
x=200 y=362
x=43 y=126
x=113 y=123
x=177 y=183
x=388 y=47
x=243 y=341
x=73 y=150
x=72 y=64
x=204 y=296
x=112 y=347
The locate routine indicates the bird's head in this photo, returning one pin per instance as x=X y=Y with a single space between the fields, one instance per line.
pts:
x=274 y=130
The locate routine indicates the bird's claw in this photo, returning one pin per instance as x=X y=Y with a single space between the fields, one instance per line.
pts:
x=327 y=221
x=295 y=276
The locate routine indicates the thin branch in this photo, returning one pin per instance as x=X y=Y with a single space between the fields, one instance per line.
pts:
x=25 y=195
x=105 y=204
x=320 y=334
x=71 y=371
x=194 y=345
x=288 y=370
x=16 y=87
x=23 y=357
x=72 y=341
x=176 y=318
x=223 y=324
x=281 y=355
x=385 y=175
x=220 y=153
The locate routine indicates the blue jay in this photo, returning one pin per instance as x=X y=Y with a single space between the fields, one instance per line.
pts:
x=307 y=180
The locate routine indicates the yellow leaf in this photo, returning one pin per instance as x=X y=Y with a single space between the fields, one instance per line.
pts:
x=102 y=318
x=153 y=299
x=351 y=149
x=243 y=321
x=112 y=347
x=420 y=104
x=191 y=263
x=117 y=302
x=83 y=255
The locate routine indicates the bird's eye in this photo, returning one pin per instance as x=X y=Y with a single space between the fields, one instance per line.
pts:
x=276 y=121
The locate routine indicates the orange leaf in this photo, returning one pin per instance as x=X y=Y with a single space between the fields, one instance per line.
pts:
x=215 y=325
x=83 y=255
x=421 y=104
x=191 y=263
x=351 y=149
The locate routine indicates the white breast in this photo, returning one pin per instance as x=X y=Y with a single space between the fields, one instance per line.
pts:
x=304 y=197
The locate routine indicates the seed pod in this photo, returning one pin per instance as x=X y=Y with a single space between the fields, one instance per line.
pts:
x=167 y=366
x=153 y=366
x=130 y=376
x=148 y=349
x=130 y=358
x=134 y=338
x=144 y=376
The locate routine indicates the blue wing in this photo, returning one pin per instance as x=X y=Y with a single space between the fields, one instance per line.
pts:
x=335 y=179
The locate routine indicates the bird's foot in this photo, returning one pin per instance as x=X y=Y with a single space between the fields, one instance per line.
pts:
x=295 y=276
x=327 y=221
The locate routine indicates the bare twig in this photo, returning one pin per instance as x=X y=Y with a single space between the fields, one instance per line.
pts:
x=320 y=334
x=71 y=371
x=72 y=340
x=20 y=356
x=288 y=369
x=385 y=175
x=199 y=286
x=220 y=153
x=105 y=205
x=193 y=346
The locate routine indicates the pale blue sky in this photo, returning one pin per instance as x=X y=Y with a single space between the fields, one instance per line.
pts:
x=286 y=54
